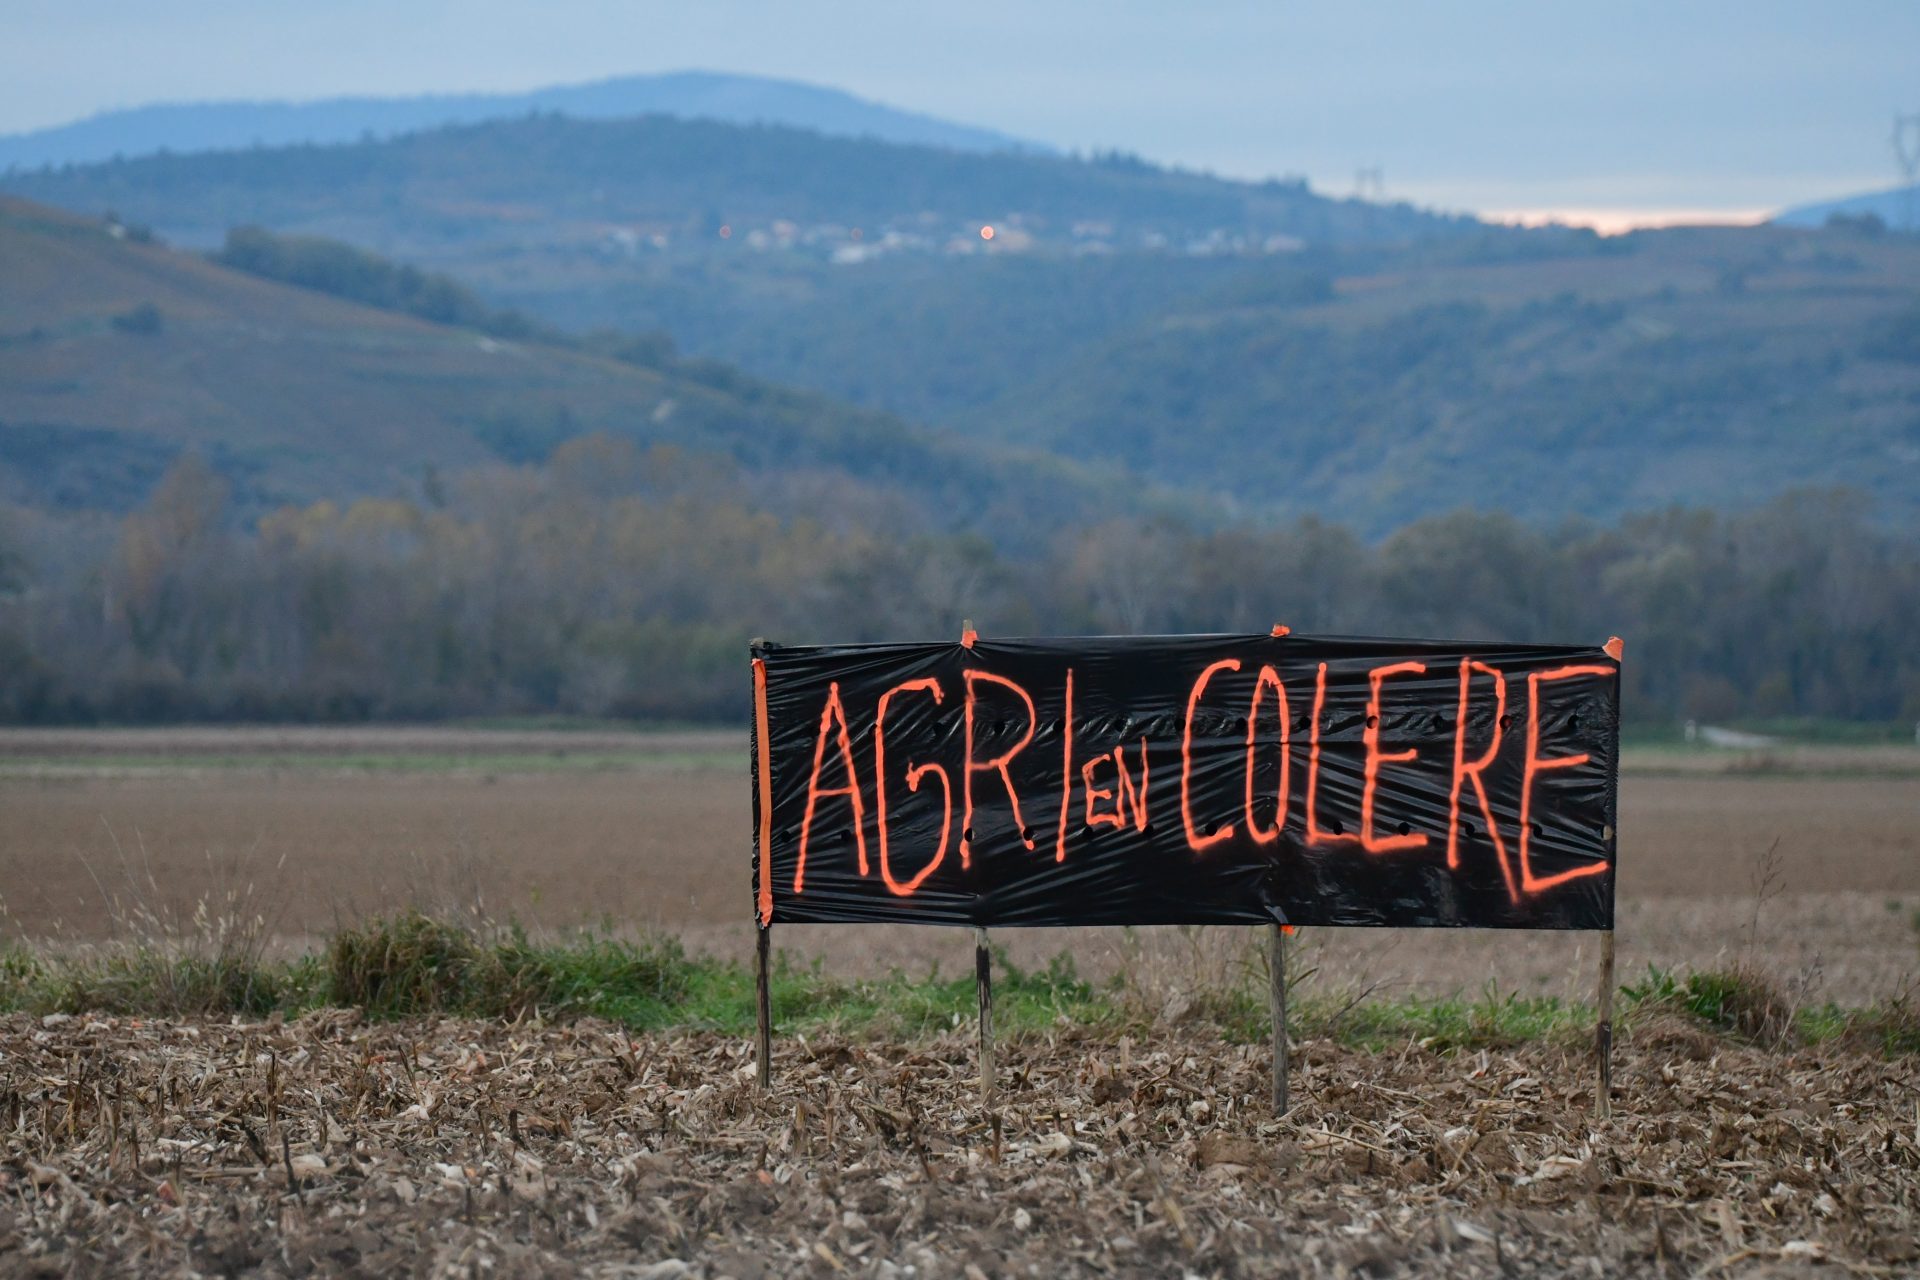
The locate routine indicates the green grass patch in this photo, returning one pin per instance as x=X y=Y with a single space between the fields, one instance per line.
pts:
x=1813 y=729
x=1740 y=1000
x=583 y=724
x=1892 y=1027
x=1788 y=730
x=553 y=761
x=153 y=981
x=1491 y=1020
x=414 y=965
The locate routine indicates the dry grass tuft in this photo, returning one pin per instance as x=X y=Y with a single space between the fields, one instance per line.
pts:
x=1741 y=1000
x=410 y=964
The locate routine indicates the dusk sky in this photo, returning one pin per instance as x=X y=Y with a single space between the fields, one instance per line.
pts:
x=1600 y=111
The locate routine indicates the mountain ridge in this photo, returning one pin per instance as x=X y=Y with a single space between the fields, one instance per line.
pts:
x=187 y=127
x=692 y=183
x=1897 y=207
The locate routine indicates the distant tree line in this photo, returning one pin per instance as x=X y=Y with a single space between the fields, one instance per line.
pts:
x=344 y=271
x=330 y=266
x=612 y=581
x=661 y=169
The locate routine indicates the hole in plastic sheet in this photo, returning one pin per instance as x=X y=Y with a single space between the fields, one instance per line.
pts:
x=1337 y=827
x=1534 y=827
x=1506 y=722
x=1026 y=833
x=1406 y=828
x=967 y=834
x=1466 y=829
x=1373 y=722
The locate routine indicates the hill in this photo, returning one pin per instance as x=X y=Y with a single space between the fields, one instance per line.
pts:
x=657 y=184
x=116 y=356
x=1898 y=208
x=1551 y=375
x=1693 y=367
x=1274 y=351
x=736 y=99
x=662 y=509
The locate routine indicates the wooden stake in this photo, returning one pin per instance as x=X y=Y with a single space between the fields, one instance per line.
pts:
x=1277 y=967
x=983 y=986
x=763 y=997
x=1603 y=1031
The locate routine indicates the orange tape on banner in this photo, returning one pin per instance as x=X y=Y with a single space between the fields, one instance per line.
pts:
x=766 y=790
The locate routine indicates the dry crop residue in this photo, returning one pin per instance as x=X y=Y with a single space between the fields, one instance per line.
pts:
x=333 y=1146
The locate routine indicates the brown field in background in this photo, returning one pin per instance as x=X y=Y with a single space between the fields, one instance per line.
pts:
x=105 y=832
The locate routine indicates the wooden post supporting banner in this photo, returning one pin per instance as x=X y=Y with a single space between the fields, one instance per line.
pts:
x=1277 y=967
x=983 y=985
x=982 y=958
x=763 y=996
x=763 y=849
x=1615 y=648
x=1603 y=1030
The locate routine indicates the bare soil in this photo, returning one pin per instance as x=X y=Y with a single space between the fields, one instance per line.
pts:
x=328 y=1146
x=1817 y=878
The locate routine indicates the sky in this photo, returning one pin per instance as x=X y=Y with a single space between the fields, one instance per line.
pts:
x=1614 y=114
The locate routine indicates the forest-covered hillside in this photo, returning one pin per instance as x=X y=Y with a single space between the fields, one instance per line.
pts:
x=652 y=182
x=118 y=355
x=542 y=461
x=1258 y=345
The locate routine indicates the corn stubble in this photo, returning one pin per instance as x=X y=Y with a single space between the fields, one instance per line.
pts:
x=331 y=1145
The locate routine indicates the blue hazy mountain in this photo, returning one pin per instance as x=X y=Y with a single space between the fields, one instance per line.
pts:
x=1899 y=208
x=734 y=99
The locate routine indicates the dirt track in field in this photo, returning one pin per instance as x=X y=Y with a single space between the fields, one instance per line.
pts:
x=649 y=831
x=328 y=1147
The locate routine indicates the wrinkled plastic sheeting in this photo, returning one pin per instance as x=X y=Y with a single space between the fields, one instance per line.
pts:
x=1221 y=779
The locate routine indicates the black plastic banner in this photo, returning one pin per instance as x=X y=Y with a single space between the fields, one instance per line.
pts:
x=1187 y=780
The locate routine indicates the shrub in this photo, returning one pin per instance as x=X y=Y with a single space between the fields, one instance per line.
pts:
x=143 y=319
x=407 y=965
x=1740 y=1000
